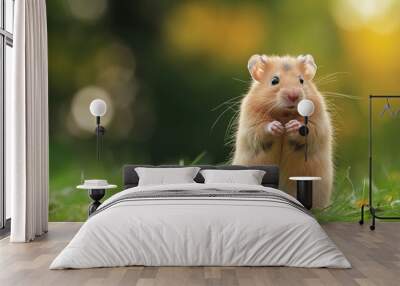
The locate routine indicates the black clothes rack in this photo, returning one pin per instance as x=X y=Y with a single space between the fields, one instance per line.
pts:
x=370 y=205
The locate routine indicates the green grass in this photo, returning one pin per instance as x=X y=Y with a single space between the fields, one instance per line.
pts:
x=350 y=195
x=68 y=203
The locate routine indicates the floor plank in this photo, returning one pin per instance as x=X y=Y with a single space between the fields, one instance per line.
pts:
x=375 y=257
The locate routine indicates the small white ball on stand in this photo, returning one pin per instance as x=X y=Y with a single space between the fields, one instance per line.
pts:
x=305 y=107
x=98 y=107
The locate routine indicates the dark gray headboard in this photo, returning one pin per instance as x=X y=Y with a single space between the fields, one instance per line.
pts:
x=271 y=177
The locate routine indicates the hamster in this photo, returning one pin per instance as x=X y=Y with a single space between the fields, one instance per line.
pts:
x=267 y=130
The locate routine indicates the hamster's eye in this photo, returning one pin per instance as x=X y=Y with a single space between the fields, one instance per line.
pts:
x=301 y=80
x=275 y=80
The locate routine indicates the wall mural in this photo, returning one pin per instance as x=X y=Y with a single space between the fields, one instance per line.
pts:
x=199 y=82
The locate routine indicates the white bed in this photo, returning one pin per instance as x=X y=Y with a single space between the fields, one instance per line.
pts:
x=205 y=230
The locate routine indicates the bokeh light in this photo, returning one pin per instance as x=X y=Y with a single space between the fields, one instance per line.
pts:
x=87 y=10
x=380 y=16
x=115 y=67
x=370 y=38
x=227 y=34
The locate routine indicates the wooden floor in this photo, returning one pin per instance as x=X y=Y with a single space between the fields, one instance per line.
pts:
x=375 y=257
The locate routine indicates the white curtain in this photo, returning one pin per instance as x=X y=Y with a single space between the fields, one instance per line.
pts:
x=27 y=124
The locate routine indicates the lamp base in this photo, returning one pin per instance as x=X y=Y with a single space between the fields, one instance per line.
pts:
x=305 y=193
x=96 y=195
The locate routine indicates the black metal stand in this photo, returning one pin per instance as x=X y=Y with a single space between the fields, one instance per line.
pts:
x=372 y=209
x=100 y=130
x=96 y=195
x=304 y=193
x=303 y=130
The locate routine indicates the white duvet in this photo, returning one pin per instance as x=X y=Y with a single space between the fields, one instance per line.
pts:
x=200 y=231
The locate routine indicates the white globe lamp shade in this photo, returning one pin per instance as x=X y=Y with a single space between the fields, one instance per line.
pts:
x=305 y=107
x=98 y=107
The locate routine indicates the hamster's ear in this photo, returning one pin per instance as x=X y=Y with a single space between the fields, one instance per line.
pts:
x=309 y=66
x=256 y=66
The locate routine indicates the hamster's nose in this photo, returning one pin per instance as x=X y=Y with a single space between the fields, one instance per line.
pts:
x=293 y=95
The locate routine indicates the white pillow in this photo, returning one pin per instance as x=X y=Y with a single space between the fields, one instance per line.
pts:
x=163 y=176
x=248 y=177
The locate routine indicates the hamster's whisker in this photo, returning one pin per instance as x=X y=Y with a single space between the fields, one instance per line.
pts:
x=231 y=123
x=326 y=81
x=241 y=80
x=233 y=108
x=329 y=76
x=338 y=94
x=233 y=120
x=326 y=78
x=226 y=102
x=333 y=77
x=322 y=83
x=228 y=105
x=220 y=115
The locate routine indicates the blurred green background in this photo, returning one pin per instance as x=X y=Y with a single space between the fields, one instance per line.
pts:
x=163 y=67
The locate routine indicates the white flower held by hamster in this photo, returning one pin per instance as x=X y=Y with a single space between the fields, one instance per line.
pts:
x=269 y=122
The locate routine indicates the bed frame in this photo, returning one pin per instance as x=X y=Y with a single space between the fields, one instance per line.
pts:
x=271 y=177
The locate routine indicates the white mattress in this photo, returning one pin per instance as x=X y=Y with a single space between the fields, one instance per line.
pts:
x=200 y=231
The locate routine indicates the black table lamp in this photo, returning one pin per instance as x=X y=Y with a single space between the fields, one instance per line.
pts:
x=98 y=108
x=305 y=108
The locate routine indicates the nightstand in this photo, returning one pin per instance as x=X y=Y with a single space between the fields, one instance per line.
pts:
x=305 y=190
x=96 y=190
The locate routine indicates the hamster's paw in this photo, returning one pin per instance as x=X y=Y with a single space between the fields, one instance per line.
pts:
x=292 y=126
x=274 y=128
